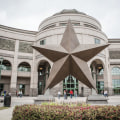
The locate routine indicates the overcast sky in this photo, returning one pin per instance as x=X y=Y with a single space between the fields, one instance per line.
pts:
x=28 y=14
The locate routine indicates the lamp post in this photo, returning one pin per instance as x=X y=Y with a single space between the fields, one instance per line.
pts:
x=1 y=60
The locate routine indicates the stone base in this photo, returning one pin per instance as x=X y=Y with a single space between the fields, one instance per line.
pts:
x=97 y=99
x=44 y=98
x=13 y=91
x=33 y=91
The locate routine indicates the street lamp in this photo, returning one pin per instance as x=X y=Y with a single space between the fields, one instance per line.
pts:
x=1 y=61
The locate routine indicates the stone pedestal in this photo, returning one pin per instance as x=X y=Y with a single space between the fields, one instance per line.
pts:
x=12 y=91
x=96 y=99
x=33 y=92
x=44 y=98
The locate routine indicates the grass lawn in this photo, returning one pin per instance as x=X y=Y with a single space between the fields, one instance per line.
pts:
x=2 y=108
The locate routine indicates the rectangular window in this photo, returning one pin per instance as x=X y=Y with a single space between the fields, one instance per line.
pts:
x=97 y=41
x=42 y=42
x=63 y=24
x=100 y=87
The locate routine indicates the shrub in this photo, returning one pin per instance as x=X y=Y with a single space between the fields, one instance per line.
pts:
x=66 y=112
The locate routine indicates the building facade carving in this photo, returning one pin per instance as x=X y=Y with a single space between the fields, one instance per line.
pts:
x=114 y=54
x=25 y=47
x=7 y=44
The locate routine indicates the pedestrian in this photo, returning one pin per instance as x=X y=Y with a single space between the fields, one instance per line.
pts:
x=102 y=93
x=71 y=94
x=59 y=93
x=16 y=93
x=65 y=94
x=75 y=93
x=20 y=93
x=5 y=93
x=105 y=93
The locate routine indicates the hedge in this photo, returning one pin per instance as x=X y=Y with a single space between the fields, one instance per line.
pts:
x=66 y=112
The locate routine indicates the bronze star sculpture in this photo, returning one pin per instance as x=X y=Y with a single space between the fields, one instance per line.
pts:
x=70 y=58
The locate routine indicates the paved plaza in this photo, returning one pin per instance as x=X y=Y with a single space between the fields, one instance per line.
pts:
x=6 y=114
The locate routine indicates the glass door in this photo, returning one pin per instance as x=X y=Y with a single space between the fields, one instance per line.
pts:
x=70 y=83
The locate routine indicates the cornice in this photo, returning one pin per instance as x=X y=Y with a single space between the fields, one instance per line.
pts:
x=18 y=30
x=114 y=40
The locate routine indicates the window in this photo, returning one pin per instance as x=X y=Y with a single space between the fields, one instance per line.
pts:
x=70 y=83
x=115 y=71
x=101 y=72
x=48 y=27
x=42 y=42
x=97 y=41
x=90 y=26
x=100 y=87
x=116 y=86
x=76 y=24
x=63 y=24
x=116 y=81
x=24 y=67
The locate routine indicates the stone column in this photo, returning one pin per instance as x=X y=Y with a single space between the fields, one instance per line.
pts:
x=107 y=76
x=14 y=70
x=34 y=77
x=94 y=74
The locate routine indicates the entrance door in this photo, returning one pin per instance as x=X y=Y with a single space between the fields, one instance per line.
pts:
x=43 y=74
x=70 y=83
x=41 y=82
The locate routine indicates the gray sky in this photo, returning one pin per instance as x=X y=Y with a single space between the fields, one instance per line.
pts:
x=28 y=14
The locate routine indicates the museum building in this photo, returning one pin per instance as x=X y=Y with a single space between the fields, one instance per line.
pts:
x=23 y=68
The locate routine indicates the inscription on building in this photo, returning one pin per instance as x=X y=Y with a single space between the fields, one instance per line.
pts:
x=7 y=44
x=25 y=47
x=114 y=54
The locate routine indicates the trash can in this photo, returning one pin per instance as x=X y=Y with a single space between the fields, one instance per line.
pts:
x=7 y=100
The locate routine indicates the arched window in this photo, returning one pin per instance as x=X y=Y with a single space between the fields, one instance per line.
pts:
x=6 y=65
x=24 y=67
x=116 y=71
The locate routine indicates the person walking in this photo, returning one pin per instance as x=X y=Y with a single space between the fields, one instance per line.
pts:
x=75 y=93
x=105 y=93
x=65 y=94
x=71 y=94
x=59 y=93
x=20 y=93
x=16 y=93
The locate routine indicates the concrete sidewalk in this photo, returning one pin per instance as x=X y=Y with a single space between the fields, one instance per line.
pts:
x=6 y=114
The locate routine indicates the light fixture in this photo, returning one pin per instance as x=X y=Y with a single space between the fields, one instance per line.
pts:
x=41 y=68
x=99 y=67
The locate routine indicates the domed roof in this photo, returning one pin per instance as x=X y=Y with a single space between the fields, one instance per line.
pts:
x=69 y=11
